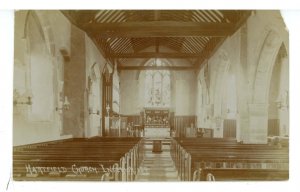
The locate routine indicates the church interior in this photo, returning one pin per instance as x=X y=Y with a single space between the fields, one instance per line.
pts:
x=150 y=95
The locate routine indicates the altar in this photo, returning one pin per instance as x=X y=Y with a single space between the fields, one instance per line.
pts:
x=157 y=118
x=157 y=123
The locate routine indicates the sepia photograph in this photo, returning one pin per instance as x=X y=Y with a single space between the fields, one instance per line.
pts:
x=150 y=95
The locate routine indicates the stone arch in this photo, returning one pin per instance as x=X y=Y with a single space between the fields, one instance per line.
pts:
x=266 y=61
x=259 y=100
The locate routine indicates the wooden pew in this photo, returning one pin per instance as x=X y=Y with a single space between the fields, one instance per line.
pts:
x=221 y=174
x=99 y=158
x=67 y=158
x=221 y=156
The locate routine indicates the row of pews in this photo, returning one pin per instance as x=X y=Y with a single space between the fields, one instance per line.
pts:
x=98 y=158
x=220 y=159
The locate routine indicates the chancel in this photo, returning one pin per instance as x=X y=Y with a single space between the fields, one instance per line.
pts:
x=150 y=95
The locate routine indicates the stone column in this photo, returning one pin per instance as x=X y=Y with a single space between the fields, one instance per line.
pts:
x=242 y=132
x=258 y=124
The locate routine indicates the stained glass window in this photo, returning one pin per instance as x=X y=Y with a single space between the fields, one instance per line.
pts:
x=157 y=87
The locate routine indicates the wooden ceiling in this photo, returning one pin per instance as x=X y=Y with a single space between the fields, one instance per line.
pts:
x=122 y=35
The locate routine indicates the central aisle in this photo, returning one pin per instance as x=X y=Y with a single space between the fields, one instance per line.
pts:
x=157 y=166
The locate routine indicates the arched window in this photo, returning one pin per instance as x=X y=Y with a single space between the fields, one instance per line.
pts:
x=157 y=87
x=116 y=91
x=41 y=71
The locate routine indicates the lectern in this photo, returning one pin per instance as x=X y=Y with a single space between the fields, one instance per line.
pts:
x=157 y=145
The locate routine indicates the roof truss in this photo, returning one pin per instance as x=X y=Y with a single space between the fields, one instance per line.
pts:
x=125 y=34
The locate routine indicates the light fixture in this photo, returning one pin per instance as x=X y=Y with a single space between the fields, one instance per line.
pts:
x=218 y=118
x=25 y=99
x=279 y=104
x=282 y=101
x=65 y=105
x=28 y=102
x=91 y=111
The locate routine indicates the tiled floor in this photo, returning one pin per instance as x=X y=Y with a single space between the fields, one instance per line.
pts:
x=157 y=166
